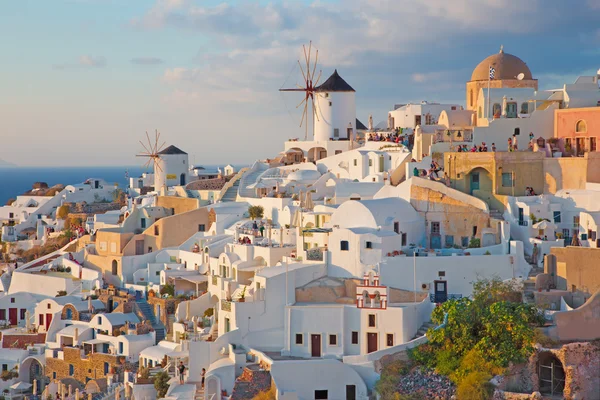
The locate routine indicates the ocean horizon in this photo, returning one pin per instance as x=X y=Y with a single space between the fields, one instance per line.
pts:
x=15 y=180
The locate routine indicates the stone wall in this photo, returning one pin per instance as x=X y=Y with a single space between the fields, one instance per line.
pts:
x=169 y=305
x=21 y=341
x=87 y=367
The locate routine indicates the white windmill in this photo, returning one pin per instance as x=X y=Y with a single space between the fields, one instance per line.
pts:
x=152 y=151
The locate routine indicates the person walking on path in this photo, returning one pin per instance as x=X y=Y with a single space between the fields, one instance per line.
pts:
x=181 y=369
x=203 y=374
x=262 y=230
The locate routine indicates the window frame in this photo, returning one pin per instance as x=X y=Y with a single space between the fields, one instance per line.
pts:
x=354 y=337
x=301 y=337
x=372 y=317
x=333 y=342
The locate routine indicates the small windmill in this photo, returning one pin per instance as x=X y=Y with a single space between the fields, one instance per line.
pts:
x=309 y=88
x=152 y=151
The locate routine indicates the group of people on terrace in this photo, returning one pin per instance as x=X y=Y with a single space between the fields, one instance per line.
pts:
x=392 y=137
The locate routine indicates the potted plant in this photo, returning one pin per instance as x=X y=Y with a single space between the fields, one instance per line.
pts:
x=243 y=295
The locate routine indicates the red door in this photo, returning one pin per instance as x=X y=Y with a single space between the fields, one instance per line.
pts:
x=12 y=316
x=371 y=342
x=48 y=320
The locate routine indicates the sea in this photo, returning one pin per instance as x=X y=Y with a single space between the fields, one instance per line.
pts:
x=15 y=181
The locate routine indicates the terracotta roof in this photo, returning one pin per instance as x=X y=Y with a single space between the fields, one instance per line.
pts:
x=335 y=83
x=207 y=184
x=507 y=67
x=172 y=150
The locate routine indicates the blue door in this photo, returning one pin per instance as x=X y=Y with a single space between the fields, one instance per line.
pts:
x=436 y=241
x=474 y=181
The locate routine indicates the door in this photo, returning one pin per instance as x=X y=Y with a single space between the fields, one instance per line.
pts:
x=436 y=241
x=441 y=291
x=350 y=392
x=12 y=316
x=511 y=110
x=182 y=179
x=139 y=247
x=580 y=146
x=96 y=184
x=315 y=345
x=417 y=120
x=371 y=342
x=474 y=181
x=520 y=216
x=48 y=320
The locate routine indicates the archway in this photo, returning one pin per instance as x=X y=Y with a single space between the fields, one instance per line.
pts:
x=551 y=374
x=316 y=154
x=32 y=368
x=115 y=267
x=479 y=182
x=212 y=387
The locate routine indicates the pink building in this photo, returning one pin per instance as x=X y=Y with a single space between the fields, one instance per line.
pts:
x=578 y=129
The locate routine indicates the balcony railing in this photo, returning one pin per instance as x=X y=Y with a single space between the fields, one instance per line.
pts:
x=523 y=223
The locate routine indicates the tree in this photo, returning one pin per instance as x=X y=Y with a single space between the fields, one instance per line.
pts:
x=62 y=212
x=168 y=289
x=481 y=336
x=256 y=212
x=161 y=383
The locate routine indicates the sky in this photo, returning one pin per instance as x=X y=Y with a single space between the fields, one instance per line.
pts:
x=83 y=80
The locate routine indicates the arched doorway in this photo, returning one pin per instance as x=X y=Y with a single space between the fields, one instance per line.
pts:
x=115 y=268
x=316 y=153
x=551 y=374
x=479 y=182
x=31 y=369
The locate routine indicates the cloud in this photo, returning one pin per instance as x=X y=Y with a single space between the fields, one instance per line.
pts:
x=147 y=60
x=91 y=61
x=85 y=61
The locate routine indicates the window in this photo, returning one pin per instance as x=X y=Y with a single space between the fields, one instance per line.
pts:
x=41 y=320
x=369 y=245
x=333 y=340
x=99 y=320
x=584 y=236
x=592 y=144
x=4 y=367
x=556 y=215
x=496 y=110
x=344 y=245
x=581 y=126
x=23 y=311
x=524 y=108
x=404 y=239
x=143 y=223
x=396 y=227
x=474 y=231
x=201 y=228
x=575 y=224
x=11 y=215
x=3 y=314
x=471 y=98
x=320 y=394
x=71 y=369
x=435 y=228
x=507 y=179
x=12 y=299
x=355 y=162
x=370 y=163
x=336 y=132
x=354 y=337
x=441 y=274
x=329 y=104
x=106 y=368
x=299 y=338
x=149 y=249
x=389 y=339
x=517 y=131
x=54 y=375
x=156 y=231
x=449 y=241
x=371 y=320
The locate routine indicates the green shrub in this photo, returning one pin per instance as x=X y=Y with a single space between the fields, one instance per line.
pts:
x=474 y=243
x=168 y=289
x=209 y=312
x=475 y=386
x=256 y=212
x=161 y=383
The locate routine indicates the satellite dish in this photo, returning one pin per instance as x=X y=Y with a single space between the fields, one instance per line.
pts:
x=520 y=76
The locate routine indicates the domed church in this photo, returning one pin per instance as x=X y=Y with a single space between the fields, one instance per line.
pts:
x=507 y=69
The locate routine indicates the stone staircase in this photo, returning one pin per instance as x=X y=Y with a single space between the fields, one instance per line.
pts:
x=232 y=192
x=199 y=395
x=251 y=382
x=249 y=179
x=495 y=214
x=529 y=283
x=214 y=331
x=146 y=310
x=423 y=329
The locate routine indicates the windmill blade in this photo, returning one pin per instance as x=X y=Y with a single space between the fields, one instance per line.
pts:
x=318 y=79
x=160 y=148
x=145 y=148
x=303 y=113
x=301 y=89
x=299 y=104
x=157 y=165
x=315 y=65
x=157 y=138
x=147 y=163
x=302 y=71
x=314 y=107
x=149 y=142
x=308 y=60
